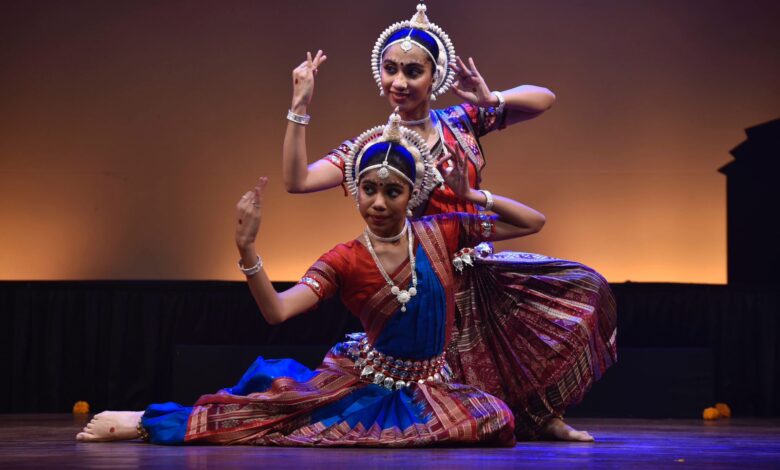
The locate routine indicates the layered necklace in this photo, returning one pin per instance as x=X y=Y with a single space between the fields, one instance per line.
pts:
x=402 y=296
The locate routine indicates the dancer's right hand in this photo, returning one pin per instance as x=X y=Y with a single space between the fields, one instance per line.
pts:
x=303 y=80
x=248 y=214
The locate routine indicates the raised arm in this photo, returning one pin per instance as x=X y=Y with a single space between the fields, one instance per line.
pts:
x=514 y=219
x=274 y=306
x=299 y=176
x=522 y=102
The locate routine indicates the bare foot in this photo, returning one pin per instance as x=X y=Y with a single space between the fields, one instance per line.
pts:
x=111 y=426
x=557 y=430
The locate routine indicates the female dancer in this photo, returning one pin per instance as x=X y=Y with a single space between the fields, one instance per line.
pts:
x=388 y=387
x=413 y=62
x=532 y=330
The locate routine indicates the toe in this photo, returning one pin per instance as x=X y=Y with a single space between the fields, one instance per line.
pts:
x=585 y=437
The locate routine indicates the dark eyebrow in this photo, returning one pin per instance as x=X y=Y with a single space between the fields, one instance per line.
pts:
x=407 y=64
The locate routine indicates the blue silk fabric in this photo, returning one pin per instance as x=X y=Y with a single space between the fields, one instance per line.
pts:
x=417 y=333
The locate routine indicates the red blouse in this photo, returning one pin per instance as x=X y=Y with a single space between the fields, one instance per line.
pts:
x=349 y=270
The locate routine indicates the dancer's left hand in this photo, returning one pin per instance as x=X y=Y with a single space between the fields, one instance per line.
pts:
x=470 y=85
x=249 y=211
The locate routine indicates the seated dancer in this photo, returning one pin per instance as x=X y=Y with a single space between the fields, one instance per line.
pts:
x=532 y=330
x=390 y=386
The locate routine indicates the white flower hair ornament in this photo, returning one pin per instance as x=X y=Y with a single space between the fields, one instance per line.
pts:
x=420 y=32
x=425 y=176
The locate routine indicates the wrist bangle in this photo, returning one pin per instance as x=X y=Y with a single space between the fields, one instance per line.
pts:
x=501 y=101
x=488 y=199
x=254 y=269
x=298 y=119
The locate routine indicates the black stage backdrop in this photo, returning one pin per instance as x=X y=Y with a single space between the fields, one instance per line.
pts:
x=115 y=343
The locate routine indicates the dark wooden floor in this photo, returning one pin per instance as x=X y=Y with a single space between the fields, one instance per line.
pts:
x=47 y=441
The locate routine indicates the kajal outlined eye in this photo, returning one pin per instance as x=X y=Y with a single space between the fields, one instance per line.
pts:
x=414 y=71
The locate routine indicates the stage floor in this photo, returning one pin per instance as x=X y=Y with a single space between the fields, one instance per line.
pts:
x=48 y=441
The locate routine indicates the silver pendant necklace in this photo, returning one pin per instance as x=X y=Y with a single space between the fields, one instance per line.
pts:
x=402 y=296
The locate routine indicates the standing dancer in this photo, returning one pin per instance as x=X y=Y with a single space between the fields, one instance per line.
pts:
x=388 y=387
x=413 y=62
x=532 y=330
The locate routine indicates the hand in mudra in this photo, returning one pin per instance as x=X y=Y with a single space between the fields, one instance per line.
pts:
x=303 y=78
x=457 y=176
x=470 y=85
x=248 y=213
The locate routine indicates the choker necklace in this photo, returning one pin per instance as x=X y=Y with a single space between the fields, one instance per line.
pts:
x=402 y=296
x=392 y=239
x=416 y=122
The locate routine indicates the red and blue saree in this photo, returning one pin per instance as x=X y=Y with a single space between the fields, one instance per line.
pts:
x=409 y=399
x=532 y=330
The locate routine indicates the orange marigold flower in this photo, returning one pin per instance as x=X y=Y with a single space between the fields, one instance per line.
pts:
x=711 y=413
x=81 y=407
x=723 y=409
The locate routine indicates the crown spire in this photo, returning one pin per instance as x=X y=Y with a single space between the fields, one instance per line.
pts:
x=420 y=19
x=392 y=132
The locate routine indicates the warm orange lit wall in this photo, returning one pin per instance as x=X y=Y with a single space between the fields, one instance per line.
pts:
x=129 y=129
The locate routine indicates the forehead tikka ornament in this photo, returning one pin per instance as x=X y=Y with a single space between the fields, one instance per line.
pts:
x=384 y=172
x=444 y=74
x=425 y=164
x=406 y=45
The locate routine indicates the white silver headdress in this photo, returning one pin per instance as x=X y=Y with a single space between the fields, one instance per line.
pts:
x=426 y=174
x=443 y=75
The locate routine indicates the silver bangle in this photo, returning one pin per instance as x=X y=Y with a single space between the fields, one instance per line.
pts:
x=501 y=101
x=488 y=199
x=298 y=119
x=254 y=269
